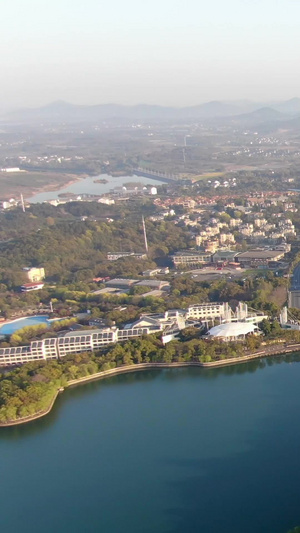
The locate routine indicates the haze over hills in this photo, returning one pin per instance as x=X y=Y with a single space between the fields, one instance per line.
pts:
x=290 y=107
x=239 y=111
x=262 y=115
x=65 y=111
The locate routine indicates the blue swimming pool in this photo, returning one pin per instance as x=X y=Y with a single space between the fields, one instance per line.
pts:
x=11 y=327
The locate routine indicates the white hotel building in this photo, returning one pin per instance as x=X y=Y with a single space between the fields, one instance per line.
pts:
x=168 y=324
x=72 y=342
x=208 y=311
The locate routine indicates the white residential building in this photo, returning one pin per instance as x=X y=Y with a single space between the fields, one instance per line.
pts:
x=207 y=310
x=227 y=238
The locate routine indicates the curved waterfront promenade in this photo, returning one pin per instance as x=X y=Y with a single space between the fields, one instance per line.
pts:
x=268 y=352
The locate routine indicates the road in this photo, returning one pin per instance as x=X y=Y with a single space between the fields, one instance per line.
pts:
x=295 y=284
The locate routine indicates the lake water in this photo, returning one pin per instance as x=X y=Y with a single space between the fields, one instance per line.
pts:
x=10 y=327
x=88 y=186
x=166 y=451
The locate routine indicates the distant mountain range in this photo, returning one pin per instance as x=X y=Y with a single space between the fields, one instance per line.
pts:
x=243 y=112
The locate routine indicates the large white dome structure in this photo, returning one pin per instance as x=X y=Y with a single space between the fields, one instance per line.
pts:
x=232 y=330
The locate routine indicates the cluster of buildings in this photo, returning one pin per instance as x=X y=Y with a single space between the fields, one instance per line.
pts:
x=253 y=228
x=230 y=182
x=47 y=159
x=259 y=148
x=9 y=204
x=168 y=324
x=266 y=234
x=253 y=224
x=264 y=257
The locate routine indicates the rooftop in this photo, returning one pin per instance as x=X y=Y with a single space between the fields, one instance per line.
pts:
x=259 y=254
x=232 y=329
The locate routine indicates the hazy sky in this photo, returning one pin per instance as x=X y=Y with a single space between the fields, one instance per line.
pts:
x=170 y=52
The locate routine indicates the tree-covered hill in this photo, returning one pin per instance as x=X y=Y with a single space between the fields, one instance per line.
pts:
x=75 y=250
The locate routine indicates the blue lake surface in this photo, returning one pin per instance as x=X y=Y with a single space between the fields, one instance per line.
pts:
x=88 y=186
x=166 y=451
x=9 y=328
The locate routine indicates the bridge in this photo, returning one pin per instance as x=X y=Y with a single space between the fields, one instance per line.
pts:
x=154 y=174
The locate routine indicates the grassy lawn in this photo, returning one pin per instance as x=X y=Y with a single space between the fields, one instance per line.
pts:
x=206 y=176
x=14 y=183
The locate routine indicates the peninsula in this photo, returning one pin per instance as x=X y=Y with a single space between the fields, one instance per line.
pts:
x=29 y=392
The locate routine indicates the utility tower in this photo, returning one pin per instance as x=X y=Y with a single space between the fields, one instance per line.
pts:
x=145 y=235
x=22 y=203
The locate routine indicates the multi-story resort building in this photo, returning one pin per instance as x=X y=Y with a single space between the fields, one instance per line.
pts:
x=168 y=324
x=92 y=340
x=72 y=342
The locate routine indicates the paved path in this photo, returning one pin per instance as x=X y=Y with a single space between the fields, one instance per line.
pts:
x=295 y=284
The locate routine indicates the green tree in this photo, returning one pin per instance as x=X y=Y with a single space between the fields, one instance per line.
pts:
x=265 y=326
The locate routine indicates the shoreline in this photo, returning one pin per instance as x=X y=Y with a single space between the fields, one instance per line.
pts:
x=54 y=186
x=148 y=366
x=59 y=187
x=66 y=179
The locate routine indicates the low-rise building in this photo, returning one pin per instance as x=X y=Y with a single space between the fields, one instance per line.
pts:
x=211 y=246
x=227 y=238
x=190 y=258
x=106 y=201
x=224 y=256
x=235 y=222
x=35 y=286
x=254 y=258
x=246 y=230
x=260 y=222
x=113 y=256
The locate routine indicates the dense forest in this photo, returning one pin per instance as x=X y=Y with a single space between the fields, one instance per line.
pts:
x=74 y=251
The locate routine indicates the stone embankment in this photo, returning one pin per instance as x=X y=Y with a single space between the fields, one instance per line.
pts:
x=30 y=418
x=269 y=351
